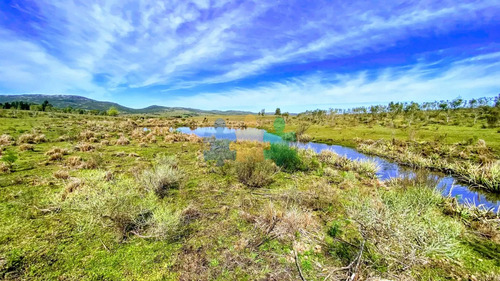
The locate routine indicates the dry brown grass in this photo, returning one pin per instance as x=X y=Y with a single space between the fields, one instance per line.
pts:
x=84 y=147
x=4 y=168
x=26 y=147
x=74 y=161
x=122 y=141
x=177 y=137
x=6 y=140
x=71 y=186
x=56 y=153
x=86 y=135
x=285 y=224
x=61 y=174
x=31 y=138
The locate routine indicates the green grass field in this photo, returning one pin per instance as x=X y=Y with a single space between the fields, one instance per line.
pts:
x=117 y=203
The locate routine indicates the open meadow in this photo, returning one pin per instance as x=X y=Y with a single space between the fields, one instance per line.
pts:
x=125 y=197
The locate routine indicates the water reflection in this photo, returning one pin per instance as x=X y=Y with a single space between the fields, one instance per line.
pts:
x=446 y=183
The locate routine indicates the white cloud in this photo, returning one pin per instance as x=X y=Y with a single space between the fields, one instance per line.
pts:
x=141 y=43
x=462 y=78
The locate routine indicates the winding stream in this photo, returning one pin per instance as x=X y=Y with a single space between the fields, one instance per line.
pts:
x=388 y=169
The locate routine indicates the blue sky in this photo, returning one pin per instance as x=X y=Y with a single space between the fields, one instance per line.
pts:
x=249 y=55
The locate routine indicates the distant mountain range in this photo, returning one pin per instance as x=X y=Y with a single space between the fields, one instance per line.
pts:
x=63 y=101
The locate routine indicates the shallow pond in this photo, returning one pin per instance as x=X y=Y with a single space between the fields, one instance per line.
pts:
x=388 y=169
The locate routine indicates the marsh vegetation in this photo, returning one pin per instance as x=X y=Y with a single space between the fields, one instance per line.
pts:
x=100 y=197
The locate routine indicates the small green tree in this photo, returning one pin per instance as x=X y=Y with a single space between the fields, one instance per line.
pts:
x=112 y=111
x=278 y=111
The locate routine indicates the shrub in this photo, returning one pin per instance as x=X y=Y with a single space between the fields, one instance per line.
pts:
x=161 y=179
x=405 y=224
x=254 y=173
x=284 y=156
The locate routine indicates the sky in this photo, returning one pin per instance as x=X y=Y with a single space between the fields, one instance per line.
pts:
x=251 y=55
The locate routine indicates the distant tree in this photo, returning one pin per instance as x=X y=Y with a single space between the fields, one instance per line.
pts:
x=262 y=112
x=456 y=103
x=278 y=111
x=45 y=104
x=112 y=111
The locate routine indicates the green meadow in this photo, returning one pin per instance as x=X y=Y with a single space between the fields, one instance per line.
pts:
x=99 y=198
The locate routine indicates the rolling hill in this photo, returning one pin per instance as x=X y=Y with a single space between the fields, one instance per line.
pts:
x=63 y=101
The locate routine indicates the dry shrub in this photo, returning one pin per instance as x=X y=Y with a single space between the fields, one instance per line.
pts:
x=63 y=138
x=405 y=226
x=121 y=206
x=26 y=138
x=74 y=161
x=105 y=142
x=56 y=153
x=304 y=138
x=26 y=147
x=86 y=135
x=84 y=147
x=39 y=138
x=61 y=174
x=71 y=186
x=285 y=224
x=161 y=179
x=93 y=162
x=122 y=141
x=179 y=137
x=6 y=140
x=256 y=174
x=57 y=150
x=4 y=168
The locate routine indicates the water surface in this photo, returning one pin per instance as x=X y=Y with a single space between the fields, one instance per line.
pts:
x=388 y=169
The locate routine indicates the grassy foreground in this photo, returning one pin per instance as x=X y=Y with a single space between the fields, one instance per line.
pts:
x=99 y=198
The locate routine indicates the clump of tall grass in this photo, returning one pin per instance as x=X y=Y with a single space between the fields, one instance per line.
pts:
x=6 y=140
x=26 y=147
x=122 y=141
x=56 y=153
x=487 y=176
x=404 y=226
x=121 y=206
x=284 y=156
x=4 y=168
x=365 y=167
x=285 y=224
x=255 y=173
x=31 y=138
x=85 y=147
x=161 y=178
